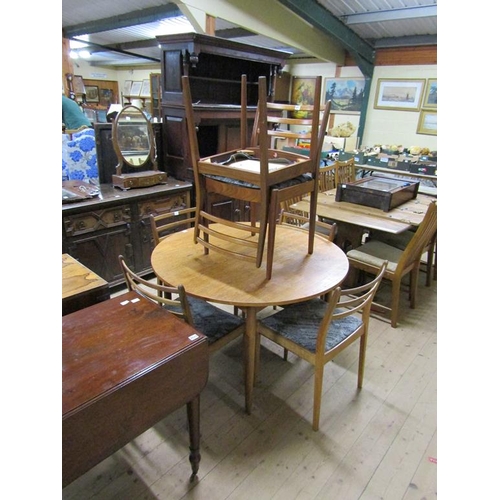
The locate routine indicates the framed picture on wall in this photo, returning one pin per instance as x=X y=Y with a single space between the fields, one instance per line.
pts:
x=92 y=93
x=135 y=90
x=127 y=85
x=346 y=94
x=303 y=90
x=146 y=88
x=427 y=122
x=402 y=95
x=78 y=86
x=431 y=94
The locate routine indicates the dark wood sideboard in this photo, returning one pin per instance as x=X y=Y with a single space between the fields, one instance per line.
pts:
x=96 y=231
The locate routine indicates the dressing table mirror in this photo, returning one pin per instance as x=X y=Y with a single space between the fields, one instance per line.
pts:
x=134 y=145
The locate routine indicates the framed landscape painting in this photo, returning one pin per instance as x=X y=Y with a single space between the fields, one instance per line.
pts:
x=92 y=93
x=346 y=94
x=402 y=95
x=303 y=90
x=431 y=94
x=427 y=122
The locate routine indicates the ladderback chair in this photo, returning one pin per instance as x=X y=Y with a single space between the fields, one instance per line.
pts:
x=327 y=177
x=367 y=258
x=345 y=171
x=306 y=184
x=219 y=326
x=317 y=330
x=402 y=240
x=163 y=224
x=322 y=228
x=250 y=174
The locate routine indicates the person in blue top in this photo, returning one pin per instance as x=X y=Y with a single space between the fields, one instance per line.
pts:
x=72 y=115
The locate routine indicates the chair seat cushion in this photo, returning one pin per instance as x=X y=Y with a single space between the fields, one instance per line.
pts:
x=300 y=323
x=375 y=252
x=290 y=182
x=211 y=320
x=400 y=240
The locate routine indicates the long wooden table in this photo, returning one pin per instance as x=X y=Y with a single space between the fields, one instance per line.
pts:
x=81 y=287
x=127 y=363
x=297 y=276
x=352 y=219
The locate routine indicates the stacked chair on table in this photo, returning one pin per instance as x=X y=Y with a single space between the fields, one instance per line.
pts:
x=367 y=258
x=255 y=173
x=220 y=327
x=317 y=330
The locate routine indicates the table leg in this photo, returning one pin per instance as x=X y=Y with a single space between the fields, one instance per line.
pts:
x=250 y=338
x=193 y=414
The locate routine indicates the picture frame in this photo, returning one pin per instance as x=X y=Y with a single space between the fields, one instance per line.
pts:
x=430 y=97
x=78 y=85
x=135 y=89
x=127 y=85
x=92 y=93
x=303 y=91
x=146 y=88
x=427 y=122
x=105 y=97
x=346 y=94
x=403 y=94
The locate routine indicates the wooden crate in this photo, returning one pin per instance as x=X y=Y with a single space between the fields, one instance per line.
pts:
x=384 y=193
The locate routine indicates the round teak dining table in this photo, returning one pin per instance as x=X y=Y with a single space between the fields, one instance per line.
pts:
x=215 y=277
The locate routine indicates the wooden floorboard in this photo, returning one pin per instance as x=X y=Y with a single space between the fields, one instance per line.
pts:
x=375 y=443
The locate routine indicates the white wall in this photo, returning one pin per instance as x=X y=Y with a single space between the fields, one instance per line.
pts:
x=393 y=126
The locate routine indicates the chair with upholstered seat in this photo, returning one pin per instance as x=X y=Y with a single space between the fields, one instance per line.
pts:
x=402 y=240
x=317 y=330
x=255 y=173
x=219 y=326
x=367 y=258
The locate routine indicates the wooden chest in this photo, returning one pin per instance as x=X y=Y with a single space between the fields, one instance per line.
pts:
x=384 y=193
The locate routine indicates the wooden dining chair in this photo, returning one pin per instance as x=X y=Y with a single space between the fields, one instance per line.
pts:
x=317 y=330
x=306 y=184
x=219 y=326
x=250 y=173
x=327 y=177
x=164 y=224
x=324 y=229
x=367 y=258
x=345 y=171
x=402 y=240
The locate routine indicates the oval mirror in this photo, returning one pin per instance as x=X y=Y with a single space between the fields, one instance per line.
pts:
x=133 y=139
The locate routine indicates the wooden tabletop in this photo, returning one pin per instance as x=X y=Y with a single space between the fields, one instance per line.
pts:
x=394 y=221
x=111 y=343
x=296 y=275
x=78 y=279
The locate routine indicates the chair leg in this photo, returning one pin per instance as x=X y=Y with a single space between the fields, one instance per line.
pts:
x=396 y=291
x=414 y=286
x=318 y=389
x=362 y=356
x=271 y=235
x=430 y=261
